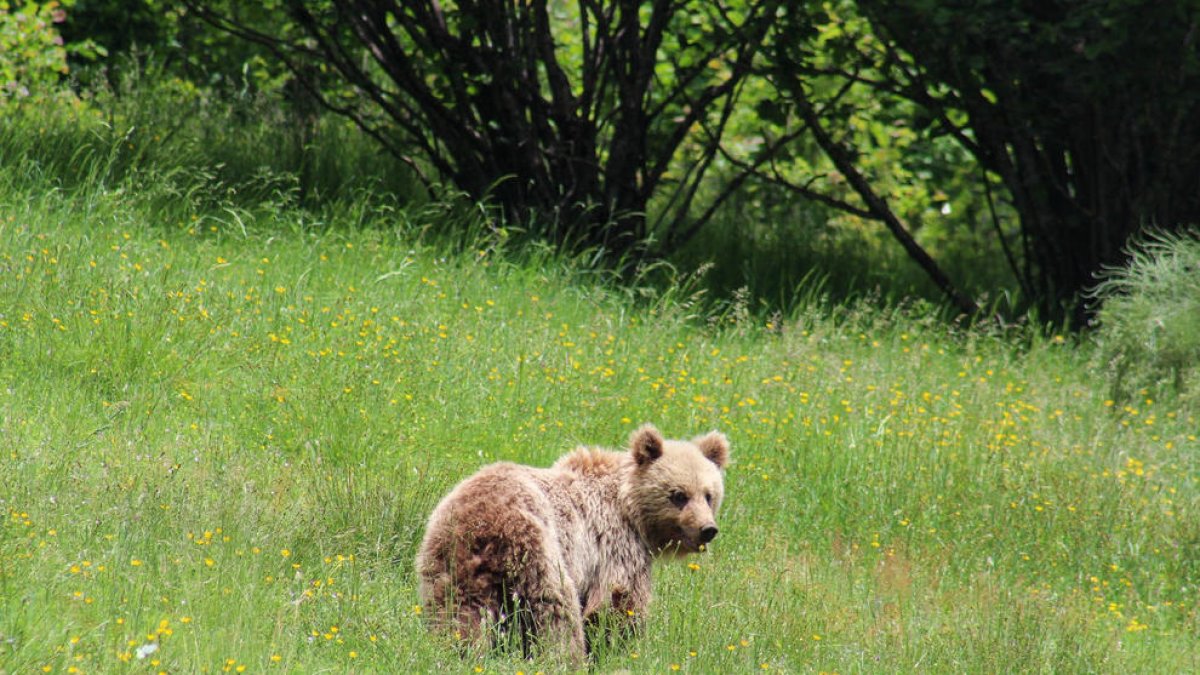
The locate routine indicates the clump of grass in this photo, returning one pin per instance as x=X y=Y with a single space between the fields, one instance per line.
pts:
x=1150 y=319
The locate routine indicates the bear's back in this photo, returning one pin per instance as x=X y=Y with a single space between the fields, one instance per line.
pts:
x=593 y=462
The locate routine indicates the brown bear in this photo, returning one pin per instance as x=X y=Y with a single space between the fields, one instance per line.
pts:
x=538 y=553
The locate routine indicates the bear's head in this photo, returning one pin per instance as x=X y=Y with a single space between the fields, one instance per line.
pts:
x=675 y=488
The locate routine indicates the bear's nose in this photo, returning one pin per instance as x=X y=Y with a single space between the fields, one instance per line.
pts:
x=707 y=534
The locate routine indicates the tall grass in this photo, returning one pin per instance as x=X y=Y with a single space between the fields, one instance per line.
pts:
x=224 y=421
x=221 y=439
x=152 y=131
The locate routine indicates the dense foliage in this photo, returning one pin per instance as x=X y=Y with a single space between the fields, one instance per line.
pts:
x=33 y=55
x=1088 y=111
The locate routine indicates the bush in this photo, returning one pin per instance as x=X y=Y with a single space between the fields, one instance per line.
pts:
x=1149 y=319
x=33 y=56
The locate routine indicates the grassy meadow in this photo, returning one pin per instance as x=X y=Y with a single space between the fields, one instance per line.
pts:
x=222 y=429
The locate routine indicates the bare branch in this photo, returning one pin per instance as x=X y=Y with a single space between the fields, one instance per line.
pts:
x=754 y=170
x=481 y=90
x=844 y=161
x=748 y=170
x=698 y=106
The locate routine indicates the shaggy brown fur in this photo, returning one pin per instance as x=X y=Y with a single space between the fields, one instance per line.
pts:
x=543 y=551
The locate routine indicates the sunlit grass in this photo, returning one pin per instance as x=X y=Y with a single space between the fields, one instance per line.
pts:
x=220 y=437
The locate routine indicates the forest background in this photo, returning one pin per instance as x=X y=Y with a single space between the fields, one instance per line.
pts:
x=977 y=154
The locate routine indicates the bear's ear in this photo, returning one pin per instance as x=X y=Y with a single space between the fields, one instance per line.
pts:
x=715 y=447
x=646 y=444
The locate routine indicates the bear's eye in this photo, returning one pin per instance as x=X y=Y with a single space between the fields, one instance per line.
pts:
x=708 y=498
x=678 y=498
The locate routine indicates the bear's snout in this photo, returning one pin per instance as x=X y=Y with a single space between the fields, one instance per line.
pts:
x=707 y=534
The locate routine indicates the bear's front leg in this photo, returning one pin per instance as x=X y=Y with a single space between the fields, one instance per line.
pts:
x=619 y=616
x=559 y=624
x=630 y=607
